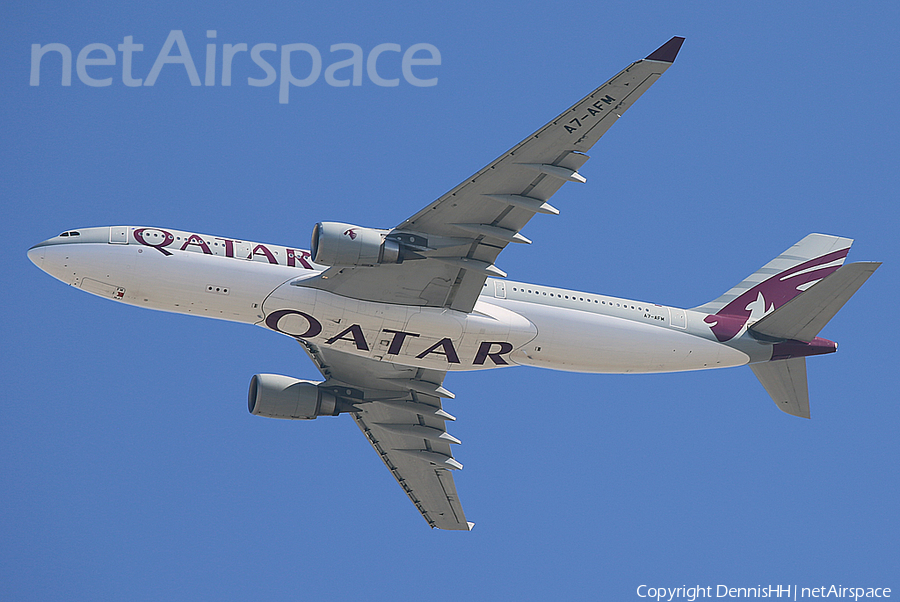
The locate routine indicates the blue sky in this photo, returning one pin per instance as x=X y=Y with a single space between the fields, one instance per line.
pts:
x=132 y=470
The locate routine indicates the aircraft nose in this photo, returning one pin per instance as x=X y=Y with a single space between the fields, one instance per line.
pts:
x=36 y=254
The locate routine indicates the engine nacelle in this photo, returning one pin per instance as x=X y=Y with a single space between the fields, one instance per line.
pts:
x=276 y=396
x=337 y=244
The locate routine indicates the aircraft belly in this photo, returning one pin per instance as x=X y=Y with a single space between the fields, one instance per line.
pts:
x=188 y=283
x=424 y=337
x=207 y=285
x=581 y=341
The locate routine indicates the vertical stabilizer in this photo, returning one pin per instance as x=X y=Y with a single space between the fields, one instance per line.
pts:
x=774 y=284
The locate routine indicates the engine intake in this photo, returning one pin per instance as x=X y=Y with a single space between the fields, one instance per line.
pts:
x=337 y=244
x=276 y=396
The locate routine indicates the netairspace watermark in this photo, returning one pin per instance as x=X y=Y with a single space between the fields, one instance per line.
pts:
x=787 y=592
x=346 y=63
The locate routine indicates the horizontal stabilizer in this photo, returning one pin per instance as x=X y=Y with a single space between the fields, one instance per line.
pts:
x=802 y=317
x=785 y=381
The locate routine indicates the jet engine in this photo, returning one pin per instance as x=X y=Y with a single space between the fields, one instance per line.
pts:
x=336 y=244
x=276 y=396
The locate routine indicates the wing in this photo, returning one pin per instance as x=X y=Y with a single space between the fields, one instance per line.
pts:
x=400 y=414
x=458 y=237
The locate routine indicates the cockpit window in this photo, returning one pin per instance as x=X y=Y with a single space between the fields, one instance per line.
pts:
x=70 y=233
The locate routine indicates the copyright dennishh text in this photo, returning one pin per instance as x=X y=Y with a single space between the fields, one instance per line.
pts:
x=785 y=592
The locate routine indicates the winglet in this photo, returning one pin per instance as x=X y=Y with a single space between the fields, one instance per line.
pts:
x=668 y=51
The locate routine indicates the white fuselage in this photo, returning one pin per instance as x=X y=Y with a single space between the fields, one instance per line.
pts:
x=512 y=323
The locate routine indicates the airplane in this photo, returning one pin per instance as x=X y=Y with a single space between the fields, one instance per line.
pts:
x=385 y=314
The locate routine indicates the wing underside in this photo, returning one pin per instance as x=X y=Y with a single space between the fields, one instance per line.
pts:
x=459 y=236
x=400 y=414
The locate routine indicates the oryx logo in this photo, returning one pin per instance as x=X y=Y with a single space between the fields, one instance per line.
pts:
x=351 y=232
x=769 y=295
